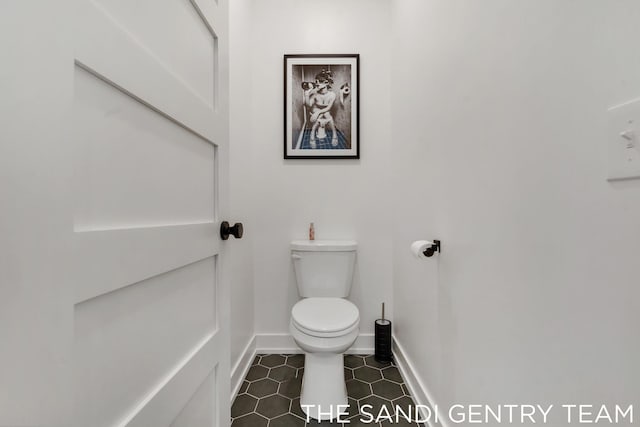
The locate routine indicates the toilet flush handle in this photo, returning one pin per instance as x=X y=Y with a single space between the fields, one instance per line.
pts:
x=296 y=257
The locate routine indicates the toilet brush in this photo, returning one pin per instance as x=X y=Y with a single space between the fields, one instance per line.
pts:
x=383 y=351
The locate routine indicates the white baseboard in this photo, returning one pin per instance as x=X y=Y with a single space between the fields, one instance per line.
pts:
x=240 y=369
x=284 y=344
x=419 y=391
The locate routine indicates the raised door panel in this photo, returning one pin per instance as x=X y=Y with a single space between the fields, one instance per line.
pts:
x=149 y=124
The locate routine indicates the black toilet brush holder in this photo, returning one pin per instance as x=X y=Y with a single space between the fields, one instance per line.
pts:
x=383 y=351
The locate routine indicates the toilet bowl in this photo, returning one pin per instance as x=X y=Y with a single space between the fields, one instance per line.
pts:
x=324 y=323
x=324 y=328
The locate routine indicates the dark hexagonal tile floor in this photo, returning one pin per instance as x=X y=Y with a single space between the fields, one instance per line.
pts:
x=270 y=394
x=387 y=389
x=262 y=388
x=243 y=405
x=368 y=374
x=358 y=389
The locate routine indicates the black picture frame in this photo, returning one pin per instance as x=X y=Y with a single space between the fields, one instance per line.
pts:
x=321 y=106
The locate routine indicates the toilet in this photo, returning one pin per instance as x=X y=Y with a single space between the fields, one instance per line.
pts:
x=324 y=323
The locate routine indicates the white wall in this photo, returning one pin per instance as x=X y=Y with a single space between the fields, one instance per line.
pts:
x=499 y=147
x=241 y=207
x=346 y=199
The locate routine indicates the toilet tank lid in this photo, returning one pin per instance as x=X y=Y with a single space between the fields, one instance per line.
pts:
x=324 y=245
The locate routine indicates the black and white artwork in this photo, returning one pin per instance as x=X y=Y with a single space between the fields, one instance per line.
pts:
x=321 y=106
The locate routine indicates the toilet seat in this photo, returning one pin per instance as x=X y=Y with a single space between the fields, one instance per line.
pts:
x=325 y=317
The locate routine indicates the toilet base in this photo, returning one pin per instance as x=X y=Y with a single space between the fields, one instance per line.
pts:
x=324 y=392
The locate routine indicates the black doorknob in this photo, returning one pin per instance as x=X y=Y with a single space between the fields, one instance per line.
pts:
x=225 y=229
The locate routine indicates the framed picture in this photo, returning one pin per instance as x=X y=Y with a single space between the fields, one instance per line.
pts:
x=321 y=94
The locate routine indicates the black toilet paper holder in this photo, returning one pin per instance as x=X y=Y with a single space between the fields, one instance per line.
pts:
x=432 y=249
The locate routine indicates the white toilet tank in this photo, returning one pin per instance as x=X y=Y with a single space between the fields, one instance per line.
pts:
x=324 y=268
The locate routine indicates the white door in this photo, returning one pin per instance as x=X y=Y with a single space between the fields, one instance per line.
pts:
x=114 y=304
